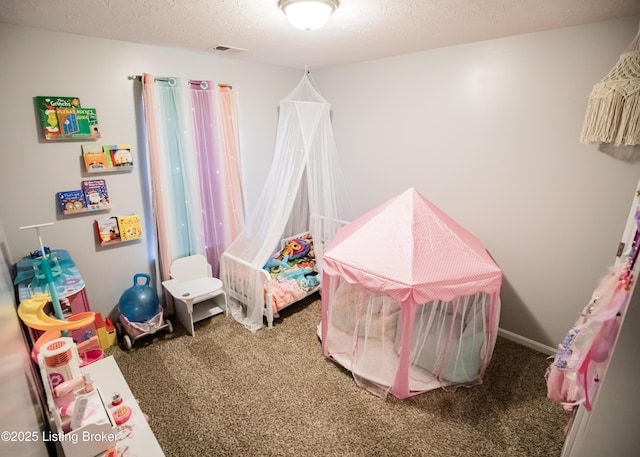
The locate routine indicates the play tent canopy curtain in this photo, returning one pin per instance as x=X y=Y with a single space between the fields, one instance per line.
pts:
x=303 y=191
x=410 y=299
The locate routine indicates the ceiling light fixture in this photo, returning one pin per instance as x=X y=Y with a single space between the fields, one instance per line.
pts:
x=308 y=14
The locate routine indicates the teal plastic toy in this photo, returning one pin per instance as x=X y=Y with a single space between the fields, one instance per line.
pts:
x=140 y=302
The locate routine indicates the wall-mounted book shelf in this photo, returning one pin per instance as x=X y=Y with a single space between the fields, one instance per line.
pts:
x=69 y=212
x=92 y=196
x=107 y=158
x=118 y=229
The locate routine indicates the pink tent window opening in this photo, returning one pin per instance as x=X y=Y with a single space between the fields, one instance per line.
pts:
x=410 y=300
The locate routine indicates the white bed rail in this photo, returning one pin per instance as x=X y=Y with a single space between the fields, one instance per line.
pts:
x=240 y=276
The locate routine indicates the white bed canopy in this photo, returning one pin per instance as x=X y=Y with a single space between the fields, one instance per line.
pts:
x=303 y=191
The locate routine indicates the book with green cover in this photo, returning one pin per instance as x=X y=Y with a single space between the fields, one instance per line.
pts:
x=63 y=118
x=87 y=122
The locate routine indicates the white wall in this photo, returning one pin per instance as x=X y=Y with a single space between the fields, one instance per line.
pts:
x=489 y=133
x=37 y=62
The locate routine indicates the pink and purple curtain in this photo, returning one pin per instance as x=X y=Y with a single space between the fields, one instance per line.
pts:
x=194 y=163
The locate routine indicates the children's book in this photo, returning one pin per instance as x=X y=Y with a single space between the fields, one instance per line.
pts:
x=48 y=113
x=87 y=122
x=120 y=154
x=130 y=227
x=72 y=201
x=96 y=195
x=108 y=230
x=112 y=157
x=95 y=159
x=63 y=118
x=68 y=120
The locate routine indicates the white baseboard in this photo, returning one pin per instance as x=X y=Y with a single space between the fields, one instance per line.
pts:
x=526 y=342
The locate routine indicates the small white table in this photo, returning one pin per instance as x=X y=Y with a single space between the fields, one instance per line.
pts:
x=196 y=299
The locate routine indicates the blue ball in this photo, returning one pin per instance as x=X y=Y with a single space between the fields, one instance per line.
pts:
x=140 y=302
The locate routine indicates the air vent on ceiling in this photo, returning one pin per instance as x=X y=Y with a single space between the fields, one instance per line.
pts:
x=227 y=49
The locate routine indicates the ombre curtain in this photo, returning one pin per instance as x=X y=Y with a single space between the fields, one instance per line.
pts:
x=193 y=148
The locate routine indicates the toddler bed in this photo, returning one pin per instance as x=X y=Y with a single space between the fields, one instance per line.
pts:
x=287 y=277
x=303 y=191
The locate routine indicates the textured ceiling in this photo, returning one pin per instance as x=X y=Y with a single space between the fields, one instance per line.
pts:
x=358 y=30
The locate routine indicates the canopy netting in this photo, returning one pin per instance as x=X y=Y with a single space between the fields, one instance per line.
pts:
x=411 y=299
x=303 y=191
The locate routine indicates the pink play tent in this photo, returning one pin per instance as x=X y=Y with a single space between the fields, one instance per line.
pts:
x=411 y=300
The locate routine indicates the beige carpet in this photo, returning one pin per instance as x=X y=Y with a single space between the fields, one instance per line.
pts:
x=228 y=392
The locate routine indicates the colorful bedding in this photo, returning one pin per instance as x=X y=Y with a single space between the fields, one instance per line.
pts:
x=293 y=271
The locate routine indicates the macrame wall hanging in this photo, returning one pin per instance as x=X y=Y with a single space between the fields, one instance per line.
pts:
x=613 y=113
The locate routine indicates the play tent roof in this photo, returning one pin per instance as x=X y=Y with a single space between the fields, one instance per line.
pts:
x=412 y=251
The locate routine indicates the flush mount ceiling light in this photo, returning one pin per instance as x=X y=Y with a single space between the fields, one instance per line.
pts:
x=308 y=14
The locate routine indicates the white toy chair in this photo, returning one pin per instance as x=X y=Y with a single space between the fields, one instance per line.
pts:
x=191 y=267
x=191 y=285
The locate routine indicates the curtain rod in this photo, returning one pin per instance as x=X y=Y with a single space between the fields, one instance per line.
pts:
x=167 y=79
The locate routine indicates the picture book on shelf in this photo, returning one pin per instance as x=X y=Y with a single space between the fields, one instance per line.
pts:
x=71 y=201
x=112 y=157
x=68 y=120
x=63 y=118
x=95 y=193
x=120 y=154
x=130 y=227
x=87 y=119
x=94 y=158
x=108 y=230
